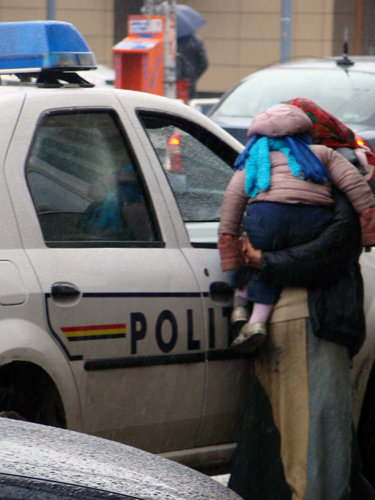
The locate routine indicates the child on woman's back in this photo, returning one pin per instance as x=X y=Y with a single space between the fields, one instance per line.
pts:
x=286 y=184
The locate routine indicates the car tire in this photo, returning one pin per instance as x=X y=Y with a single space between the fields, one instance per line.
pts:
x=16 y=405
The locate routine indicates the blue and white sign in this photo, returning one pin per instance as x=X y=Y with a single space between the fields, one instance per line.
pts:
x=145 y=26
x=135 y=45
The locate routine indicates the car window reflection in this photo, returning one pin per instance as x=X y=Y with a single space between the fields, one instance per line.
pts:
x=197 y=173
x=84 y=183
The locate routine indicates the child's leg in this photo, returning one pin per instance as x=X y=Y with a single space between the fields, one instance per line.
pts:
x=251 y=336
x=274 y=226
x=261 y=312
x=240 y=313
x=271 y=226
x=254 y=332
x=262 y=293
x=264 y=224
x=240 y=298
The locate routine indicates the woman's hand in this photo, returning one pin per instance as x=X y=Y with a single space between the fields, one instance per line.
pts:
x=249 y=256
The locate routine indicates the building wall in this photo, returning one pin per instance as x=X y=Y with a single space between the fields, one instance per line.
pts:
x=345 y=25
x=94 y=19
x=241 y=36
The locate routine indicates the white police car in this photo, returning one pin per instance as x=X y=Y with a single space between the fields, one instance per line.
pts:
x=114 y=312
x=109 y=207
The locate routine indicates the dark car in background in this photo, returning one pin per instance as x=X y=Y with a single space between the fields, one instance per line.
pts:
x=343 y=86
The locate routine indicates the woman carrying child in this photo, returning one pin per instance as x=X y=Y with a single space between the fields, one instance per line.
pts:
x=285 y=183
x=297 y=440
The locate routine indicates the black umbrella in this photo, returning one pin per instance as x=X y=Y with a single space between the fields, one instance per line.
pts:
x=188 y=20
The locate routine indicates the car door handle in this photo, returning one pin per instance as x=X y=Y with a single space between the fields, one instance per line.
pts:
x=221 y=292
x=64 y=292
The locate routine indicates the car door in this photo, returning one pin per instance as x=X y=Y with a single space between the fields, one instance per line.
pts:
x=120 y=297
x=197 y=164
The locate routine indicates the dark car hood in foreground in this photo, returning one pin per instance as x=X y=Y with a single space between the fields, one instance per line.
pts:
x=62 y=456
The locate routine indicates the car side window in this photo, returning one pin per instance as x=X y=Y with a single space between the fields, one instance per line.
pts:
x=85 y=184
x=197 y=166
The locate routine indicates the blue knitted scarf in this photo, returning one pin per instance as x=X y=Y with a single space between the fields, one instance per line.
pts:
x=255 y=158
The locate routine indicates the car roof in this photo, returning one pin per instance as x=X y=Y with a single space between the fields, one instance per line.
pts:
x=361 y=63
x=133 y=99
x=62 y=456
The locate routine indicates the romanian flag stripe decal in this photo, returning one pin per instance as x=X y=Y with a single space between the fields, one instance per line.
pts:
x=95 y=332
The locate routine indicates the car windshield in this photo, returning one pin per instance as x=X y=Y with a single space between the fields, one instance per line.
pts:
x=348 y=95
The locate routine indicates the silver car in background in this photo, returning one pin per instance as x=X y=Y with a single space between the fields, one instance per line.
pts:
x=343 y=86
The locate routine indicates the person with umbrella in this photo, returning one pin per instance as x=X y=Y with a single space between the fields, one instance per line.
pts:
x=191 y=55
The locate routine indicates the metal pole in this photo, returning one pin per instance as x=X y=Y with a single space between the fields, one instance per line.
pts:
x=166 y=8
x=51 y=10
x=170 y=50
x=358 y=27
x=286 y=28
x=148 y=7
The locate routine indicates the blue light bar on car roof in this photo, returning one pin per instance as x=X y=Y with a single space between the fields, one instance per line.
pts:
x=43 y=45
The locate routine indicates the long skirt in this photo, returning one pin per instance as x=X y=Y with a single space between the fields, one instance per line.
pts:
x=297 y=440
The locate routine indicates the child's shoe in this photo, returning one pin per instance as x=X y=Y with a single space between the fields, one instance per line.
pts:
x=251 y=336
x=239 y=317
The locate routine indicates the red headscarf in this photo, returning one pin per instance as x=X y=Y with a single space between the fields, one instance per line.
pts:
x=327 y=129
